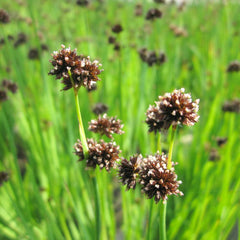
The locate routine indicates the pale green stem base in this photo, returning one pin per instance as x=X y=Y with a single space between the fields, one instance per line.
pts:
x=162 y=223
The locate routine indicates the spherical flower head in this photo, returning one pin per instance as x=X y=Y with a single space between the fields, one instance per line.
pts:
x=106 y=126
x=117 y=28
x=83 y=72
x=233 y=66
x=102 y=154
x=3 y=95
x=172 y=109
x=128 y=171
x=231 y=106
x=157 y=181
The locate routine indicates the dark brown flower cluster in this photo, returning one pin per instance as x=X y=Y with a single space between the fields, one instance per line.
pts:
x=4 y=176
x=172 y=109
x=128 y=171
x=4 y=16
x=153 y=14
x=21 y=39
x=152 y=57
x=33 y=53
x=231 y=106
x=233 y=66
x=106 y=126
x=159 y=1
x=117 y=28
x=102 y=154
x=83 y=3
x=157 y=181
x=7 y=85
x=83 y=71
x=100 y=108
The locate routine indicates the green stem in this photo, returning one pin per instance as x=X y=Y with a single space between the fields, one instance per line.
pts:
x=150 y=219
x=80 y=122
x=162 y=223
x=159 y=147
x=169 y=165
x=97 y=209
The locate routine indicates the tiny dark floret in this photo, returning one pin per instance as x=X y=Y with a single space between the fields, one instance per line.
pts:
x=100 y=108
x=153 y=13
x=231 y=106
x=233 y=66
x=117 y=28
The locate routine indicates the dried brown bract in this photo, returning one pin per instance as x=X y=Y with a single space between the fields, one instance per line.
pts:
x=4 y=176
x=100 y=108
x=157 y=181
x=4 y=16
x=231 y=106
x=102 y=154
x=172 y=109
x=106 y=126
x=153 y=14
x=128 y=171
x=83 y=71
x=233 y=66
x=117 y=28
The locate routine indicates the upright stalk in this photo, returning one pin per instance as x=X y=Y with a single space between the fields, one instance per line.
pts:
x=97 y=208
x=162 y=223
x=169 y=164
x=149 y=219
x=80 y=123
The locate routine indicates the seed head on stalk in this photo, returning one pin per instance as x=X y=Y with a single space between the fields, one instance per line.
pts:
x=106 y=126
x=74 y=70
x=157 y=180
x=102 y=154
x=172 y=109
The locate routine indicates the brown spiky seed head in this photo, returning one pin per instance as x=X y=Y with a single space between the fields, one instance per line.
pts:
x=106 y=126
x=4 y=16
x=172 y=109
x=83 y=71
x=102 y=154
x=157 y=181
x=128 y=171
x=4 y=176
x=153 y=13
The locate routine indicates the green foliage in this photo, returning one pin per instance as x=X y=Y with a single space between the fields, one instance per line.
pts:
x=49 y=194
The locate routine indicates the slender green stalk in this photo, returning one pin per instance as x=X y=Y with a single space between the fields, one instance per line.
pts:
x=173 y=130
x=150 y=220
x=80 y=123
x=162 y=223
x=159 y=146
x=97 y=208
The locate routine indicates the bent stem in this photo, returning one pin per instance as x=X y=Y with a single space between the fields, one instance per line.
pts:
x=162 y=223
